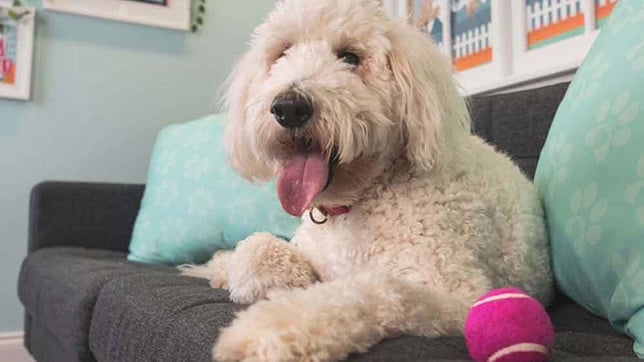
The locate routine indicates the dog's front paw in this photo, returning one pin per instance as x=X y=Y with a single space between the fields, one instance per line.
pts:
x=262 y=263
x=240 y=346
x=258 y=335
x=214 y=270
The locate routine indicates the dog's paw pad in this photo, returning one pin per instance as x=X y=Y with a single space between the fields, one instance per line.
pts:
x=219 y=283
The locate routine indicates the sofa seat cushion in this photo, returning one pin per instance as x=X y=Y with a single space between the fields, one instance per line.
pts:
x=161 y=317
x=158 y=317
x=58 y=288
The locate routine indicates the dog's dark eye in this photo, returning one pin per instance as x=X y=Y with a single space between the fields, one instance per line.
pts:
x=349 y=58
x=284 y=50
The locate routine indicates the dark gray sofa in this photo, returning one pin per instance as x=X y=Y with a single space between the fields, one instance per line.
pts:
x=85 y=302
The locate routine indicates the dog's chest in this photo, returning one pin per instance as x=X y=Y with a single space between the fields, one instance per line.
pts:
x=404 y=227
x=338 y=247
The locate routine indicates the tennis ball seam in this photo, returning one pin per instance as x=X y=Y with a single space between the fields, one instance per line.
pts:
x=501 y=297
x=519 y=347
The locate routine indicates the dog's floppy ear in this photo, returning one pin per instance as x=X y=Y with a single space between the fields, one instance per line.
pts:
x=432 y=113
x=240 y=153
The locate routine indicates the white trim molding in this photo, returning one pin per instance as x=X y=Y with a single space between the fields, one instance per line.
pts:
x=174 y=15
x=6 y=337
x=12 y=349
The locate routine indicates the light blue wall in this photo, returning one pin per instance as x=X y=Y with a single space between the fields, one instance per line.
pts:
x=102 y=90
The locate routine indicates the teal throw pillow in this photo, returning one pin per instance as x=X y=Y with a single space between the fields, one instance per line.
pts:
x=195 y=204
x=591 y=177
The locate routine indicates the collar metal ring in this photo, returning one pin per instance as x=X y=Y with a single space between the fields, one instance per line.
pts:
x=317 y=222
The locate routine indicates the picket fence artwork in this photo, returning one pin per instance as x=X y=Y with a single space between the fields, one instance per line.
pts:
x=551 y=21
x=468 y=26
x=471 y=33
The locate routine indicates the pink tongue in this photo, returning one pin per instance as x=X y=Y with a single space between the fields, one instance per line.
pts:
x=301 y=180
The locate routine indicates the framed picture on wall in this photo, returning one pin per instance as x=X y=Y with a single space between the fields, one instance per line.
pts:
x=173 y=14
x=479 y=40
x=16 y=50
x=555 y=35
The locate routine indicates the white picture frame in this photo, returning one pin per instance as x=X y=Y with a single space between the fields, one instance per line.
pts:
x=174 y=15
x=558 y=57
x=18 y=60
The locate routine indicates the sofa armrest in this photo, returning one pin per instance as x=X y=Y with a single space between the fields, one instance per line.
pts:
x=91 y=215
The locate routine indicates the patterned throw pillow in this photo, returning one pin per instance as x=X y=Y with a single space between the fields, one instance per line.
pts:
x=195 y=204
x=591 y=177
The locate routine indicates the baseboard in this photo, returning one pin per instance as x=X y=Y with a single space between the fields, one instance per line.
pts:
x=12 y=349
x=11 y=338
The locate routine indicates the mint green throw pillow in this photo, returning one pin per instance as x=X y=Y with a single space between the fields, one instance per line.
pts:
x=195 y=204
x=591 y=177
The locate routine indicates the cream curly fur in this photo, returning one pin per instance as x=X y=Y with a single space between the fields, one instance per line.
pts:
x=437 y=216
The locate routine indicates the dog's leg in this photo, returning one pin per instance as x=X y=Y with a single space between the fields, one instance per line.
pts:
x=328 y=321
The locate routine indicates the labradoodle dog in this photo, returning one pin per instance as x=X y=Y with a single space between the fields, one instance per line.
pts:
x=407 y=216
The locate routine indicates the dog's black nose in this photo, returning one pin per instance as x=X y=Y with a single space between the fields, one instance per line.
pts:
x=291 y=110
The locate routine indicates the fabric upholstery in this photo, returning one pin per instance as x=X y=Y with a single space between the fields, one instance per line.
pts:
x=517 y=123
x=195 y=204
x=158 y=317
x=59 y=286
x=93 y=215
x=47 y=348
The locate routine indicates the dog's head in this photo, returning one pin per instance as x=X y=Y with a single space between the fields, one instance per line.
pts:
x=331 y=93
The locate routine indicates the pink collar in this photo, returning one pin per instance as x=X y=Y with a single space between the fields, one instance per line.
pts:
x=334 y=210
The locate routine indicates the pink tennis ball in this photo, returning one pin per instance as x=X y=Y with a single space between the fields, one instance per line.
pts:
x=507 y=325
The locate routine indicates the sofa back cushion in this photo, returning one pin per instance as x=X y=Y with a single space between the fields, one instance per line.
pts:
x=518 y=123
